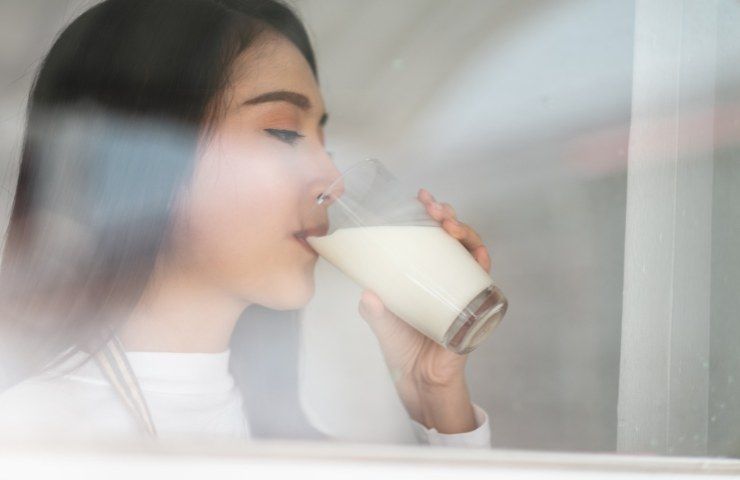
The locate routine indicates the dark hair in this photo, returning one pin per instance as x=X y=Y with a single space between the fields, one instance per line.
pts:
x=113 y=122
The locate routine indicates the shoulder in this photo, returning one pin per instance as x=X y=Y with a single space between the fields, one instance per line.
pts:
x=27 y=397
x=34 y=405
x=58 y=402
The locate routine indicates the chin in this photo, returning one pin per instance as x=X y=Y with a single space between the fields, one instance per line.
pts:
x=294 y=295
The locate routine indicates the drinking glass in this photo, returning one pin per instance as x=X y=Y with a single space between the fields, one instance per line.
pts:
x=381 y=236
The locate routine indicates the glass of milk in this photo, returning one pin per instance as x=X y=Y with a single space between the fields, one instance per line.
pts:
x=381 y=236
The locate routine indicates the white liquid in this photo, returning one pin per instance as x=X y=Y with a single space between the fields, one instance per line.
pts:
x=422 y=274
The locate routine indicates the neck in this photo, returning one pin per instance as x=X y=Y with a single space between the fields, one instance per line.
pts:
x=179 y=312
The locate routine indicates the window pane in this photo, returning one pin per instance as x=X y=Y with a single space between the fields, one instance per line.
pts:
x=593 y=147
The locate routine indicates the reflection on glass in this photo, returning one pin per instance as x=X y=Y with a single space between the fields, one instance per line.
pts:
x=166 y=173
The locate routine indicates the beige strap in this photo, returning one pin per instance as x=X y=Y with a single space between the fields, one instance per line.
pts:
x=114 y=365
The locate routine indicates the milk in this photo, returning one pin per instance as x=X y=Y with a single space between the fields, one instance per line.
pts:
x=421 y=273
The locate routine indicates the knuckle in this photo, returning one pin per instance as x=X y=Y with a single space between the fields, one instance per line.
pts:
x=457 y=229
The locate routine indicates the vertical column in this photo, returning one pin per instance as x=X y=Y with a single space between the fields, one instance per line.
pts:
x=663 y=384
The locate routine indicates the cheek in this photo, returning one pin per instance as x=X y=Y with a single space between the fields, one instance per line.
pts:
x=240 y=214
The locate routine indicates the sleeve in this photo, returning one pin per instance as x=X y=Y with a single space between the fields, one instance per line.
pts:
x=478 y=438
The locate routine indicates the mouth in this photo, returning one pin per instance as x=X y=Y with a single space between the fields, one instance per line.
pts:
x=316 y=231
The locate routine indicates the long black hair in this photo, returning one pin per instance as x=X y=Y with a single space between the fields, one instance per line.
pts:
x=113 y=124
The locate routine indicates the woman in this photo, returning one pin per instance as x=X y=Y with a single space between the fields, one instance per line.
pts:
x=173 y=152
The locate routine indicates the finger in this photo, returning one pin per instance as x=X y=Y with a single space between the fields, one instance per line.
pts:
x=481 y=256
x=440 y=211
x=448 y=210
x=465 y=234
x=436 y=210
x=371 y=306
x=382 y=321
x=445 y=213
x=431 y=203
x=425 y=196
x=470 y=240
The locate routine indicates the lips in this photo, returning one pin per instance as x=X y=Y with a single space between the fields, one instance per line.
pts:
x=316 y=231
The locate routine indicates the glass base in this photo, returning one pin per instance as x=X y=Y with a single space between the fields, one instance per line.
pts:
x=476 y=321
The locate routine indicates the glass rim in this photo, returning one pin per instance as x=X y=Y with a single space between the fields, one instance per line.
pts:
x=327 y=191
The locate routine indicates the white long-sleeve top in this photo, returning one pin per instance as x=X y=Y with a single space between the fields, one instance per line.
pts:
x=188 y=394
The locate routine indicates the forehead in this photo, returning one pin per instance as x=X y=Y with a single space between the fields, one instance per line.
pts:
x=274 y=63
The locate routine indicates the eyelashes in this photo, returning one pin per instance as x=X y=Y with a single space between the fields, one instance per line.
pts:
x=287 y=136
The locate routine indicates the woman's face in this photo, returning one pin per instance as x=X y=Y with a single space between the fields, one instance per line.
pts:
x=256 y=181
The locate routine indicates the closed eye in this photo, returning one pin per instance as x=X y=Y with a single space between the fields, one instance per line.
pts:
x=287 y=136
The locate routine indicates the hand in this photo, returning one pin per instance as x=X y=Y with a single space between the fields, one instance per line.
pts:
x=427 y=376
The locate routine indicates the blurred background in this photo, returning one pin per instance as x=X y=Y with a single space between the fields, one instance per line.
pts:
x=518 y=114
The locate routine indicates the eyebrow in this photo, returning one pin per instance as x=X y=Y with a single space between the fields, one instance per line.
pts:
x=299 y=100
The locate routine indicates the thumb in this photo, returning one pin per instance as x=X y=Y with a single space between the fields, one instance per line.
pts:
x=382 y=321
x=371 y=306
